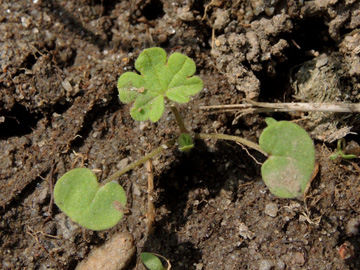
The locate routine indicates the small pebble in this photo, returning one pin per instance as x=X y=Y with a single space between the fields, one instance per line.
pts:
x=352 y=227
x=298 y=258
x=143 y=125
x=244 y=231
x=352 y=148
x=280 y=265
x=66 y=85
x=266 y=264
x=136 y=190
x=199 y=266
x=162 y=38
x=122 y=163
x=322 y=61
x=271 y=209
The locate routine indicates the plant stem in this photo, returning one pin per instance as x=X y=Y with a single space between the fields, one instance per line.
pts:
x=138 y=162
x=178 y=118
x=339 y=151
x=170 y=143
x=231 y=138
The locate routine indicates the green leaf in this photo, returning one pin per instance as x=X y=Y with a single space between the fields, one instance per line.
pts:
x=148 y=107
x=78 y=194
x=151 y=261
x=130 y=83
x=269 y=121
x=185 y=142
x=158 y=80
x=291 y=158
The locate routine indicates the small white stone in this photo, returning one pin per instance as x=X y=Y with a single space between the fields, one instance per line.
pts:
x=122 y=163
x=143 y=125
x=266 y=264
x=352 y=227
x=271 y=209
x=136 y=190
x=66 y=85
x=244 y=231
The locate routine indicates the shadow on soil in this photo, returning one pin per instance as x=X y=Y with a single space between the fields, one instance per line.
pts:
x=191 y=181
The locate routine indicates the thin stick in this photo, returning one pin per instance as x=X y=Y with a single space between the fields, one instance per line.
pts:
x=231 y=138
x=253 y=106
x=150 y=215
x=138 y=162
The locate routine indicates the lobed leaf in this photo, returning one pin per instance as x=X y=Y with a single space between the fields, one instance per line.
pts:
x=130 y=85
x=150 y=58
x=78 y=194
x=146 y=106
x=292 y=158
x=158 y=80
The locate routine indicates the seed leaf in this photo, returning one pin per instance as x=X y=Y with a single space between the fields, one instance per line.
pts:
x=78 y=194
x=291 y=158
x=151 y=261
x=158 y=80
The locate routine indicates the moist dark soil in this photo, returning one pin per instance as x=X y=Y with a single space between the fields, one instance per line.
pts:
x=59 y=110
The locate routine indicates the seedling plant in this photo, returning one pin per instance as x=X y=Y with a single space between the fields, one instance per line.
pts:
x=152 y=261
x=340 y=152
x=169 y=81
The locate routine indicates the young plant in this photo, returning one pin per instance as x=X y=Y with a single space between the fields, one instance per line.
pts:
x=340 y=152
x=152 y=261
x=161 y=81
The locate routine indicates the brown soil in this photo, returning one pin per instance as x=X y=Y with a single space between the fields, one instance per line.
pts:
x=60 y=61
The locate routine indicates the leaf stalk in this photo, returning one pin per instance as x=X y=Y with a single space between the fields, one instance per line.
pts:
x=240 y=140
x=178 y=118
x=138 y=162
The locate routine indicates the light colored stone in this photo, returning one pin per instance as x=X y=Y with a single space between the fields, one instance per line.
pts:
x=266 y=265
x=115 y=254
x=352 y=227
x=271 y=209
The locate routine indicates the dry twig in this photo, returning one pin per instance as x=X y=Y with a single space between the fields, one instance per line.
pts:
x=260 y=107
x=150 y=215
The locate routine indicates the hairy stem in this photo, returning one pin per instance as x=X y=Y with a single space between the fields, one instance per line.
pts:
x=168 y=144
x=178 y=118
x=138 y=162
x=231 y=138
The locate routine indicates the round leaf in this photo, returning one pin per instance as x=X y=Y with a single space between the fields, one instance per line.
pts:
x=151 y=261
x=78 y=194
x=291 y=158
